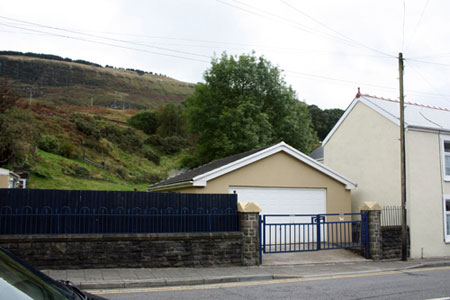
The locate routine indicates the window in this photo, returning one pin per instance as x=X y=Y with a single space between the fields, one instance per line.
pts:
x=447 y=218
x=446 y=159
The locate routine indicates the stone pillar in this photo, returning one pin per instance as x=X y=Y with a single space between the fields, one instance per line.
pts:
x=375 y=234
x=249 y=220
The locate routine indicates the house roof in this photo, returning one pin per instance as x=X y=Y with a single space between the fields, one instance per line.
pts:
x=317 y=153
x=417 y=115
x=191 y=174
x=200 y=176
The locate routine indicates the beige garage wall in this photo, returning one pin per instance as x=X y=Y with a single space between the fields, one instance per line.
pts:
x=4 y=181
x=424 y=195
x=281 y=170
x=372 y=160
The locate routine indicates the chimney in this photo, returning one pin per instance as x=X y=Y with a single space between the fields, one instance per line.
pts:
x=358 y=94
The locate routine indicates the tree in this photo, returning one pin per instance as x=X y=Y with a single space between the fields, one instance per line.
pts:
x=245 y=104
x=144 y=120
x=171 y=120
x=324 y=120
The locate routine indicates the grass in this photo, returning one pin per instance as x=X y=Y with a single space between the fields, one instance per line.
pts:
x=49 y=174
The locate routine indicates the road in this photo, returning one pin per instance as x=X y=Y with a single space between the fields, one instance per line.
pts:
x=426 y=283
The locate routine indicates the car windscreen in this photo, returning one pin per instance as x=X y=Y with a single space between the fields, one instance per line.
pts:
x=20 y=283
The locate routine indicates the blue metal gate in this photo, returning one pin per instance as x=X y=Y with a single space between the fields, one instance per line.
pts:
x=299 y=233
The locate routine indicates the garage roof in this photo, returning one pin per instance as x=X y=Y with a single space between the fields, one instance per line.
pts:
x=200 y=176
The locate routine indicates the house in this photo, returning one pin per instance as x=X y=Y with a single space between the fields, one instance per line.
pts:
x=281 y=179
x=8 y=179
x=365 y=145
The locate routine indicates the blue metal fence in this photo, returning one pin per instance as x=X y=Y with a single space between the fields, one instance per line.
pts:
x=299 y=232
x=83 y=212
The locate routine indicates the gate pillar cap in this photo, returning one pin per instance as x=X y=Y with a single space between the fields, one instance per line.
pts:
x=248 y=207
x=370 y=205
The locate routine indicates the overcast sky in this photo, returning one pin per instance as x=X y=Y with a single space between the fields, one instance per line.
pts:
x=327 y=48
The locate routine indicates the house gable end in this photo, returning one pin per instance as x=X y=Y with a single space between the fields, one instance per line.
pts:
x=349 y=110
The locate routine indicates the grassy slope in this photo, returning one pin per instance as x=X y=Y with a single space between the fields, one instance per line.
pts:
x=69 y=83
x=126 y=169
x=48 y=173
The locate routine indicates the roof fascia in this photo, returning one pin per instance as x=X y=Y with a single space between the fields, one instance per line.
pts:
x=202 y=180
x=170 y=186
x=427 y=129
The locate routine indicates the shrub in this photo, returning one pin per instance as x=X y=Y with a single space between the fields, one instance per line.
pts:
x=49 y=143
x=154 y=140
x=127 y=140
x=130 y=140
x=151 y=155
x=67 y=149
x=144 y=120
x=88 y=127
x=112 y=133
x=190 y=161
x=168 y=145
x=82 y=172
x=173 y=144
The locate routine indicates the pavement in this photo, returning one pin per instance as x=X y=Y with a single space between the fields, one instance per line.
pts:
x=275 y=266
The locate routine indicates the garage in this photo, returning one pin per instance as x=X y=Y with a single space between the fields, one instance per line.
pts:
x=284 y=200
x=281 y=179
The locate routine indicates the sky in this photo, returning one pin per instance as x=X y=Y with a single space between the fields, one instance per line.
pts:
x=326 y=48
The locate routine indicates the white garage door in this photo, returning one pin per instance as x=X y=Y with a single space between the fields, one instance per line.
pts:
x=284 y=200
x=287 y=201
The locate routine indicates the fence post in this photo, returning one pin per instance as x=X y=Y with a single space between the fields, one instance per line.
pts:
x=249 y=220
x=375 y=238
x=318 y=232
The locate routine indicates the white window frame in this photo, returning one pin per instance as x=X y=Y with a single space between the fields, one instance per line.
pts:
x=444 y=140
x=446 y=234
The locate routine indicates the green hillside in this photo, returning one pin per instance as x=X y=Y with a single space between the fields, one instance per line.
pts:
x=82 y=147
x=53 y=80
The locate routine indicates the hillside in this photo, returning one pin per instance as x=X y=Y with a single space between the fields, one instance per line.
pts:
x=83 y=147
x=53 y=80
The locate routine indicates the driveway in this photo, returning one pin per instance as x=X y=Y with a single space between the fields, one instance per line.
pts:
x=313 y=257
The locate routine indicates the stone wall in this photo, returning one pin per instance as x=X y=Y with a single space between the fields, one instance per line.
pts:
x=250 y=231
x=127 y=251
x=375 y=238
x=391 y=245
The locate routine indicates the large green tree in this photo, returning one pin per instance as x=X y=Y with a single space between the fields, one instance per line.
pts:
x=245 y=104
